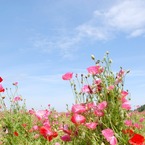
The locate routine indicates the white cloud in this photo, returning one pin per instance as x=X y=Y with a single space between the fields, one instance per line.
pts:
x=127 y=16
x=65 y=45
x=44 y=44
x=124 y=16
x=92 y=32
x=137 y=33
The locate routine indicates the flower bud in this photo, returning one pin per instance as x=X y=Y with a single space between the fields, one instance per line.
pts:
x=71 y=83
x=93 y=57
x=107 y=52
x=98 y=61
x=110 y=60
x=3 y=97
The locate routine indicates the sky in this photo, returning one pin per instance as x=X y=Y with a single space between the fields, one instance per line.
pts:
x=42 y=40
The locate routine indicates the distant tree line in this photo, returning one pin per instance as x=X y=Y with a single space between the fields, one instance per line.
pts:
x=141 y=108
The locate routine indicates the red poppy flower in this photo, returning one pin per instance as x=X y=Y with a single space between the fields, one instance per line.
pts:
x=24 y=125
x=137 y=139
x=49 y=138
x=48 y=133
x=16 y=133
x=128 y=131
x=1 y=79
x=1 y=88
x=66 y=129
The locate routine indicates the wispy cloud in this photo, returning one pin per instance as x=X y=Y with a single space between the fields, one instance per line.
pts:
x=93 y=32
x=124 y=16
x=63 y=45
x=127 y=16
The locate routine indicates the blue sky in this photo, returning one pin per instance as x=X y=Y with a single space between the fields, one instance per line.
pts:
x=41 y=40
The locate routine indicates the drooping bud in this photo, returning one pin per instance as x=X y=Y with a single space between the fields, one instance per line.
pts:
x=107 y=52
x=110 y=60
x=98 y=61
x=3 y=97
x=93 y=57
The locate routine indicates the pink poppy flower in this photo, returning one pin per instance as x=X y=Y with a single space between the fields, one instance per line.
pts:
x=31 y=111
x=126 y=105
x=118 y=80
x=42 y=114
x=121 y=73
x=87 y=89
x=77 y=108
x=98 y=81
x=141 y=119
x=66 y=130
x=66 y=138
x=90 y=105
x=113 y=140
x=95 y=70
x=124 y=93
x=35 y=127
x=107 y=133
x=57 y=143
x=78 y=119
x=91 y=125
x=16 y=99
x=109 y=136
x=46 y=123
x=99 y=113
x=111 y=87
x=128 y=122
x=136 y=125
x=123 y=100
x=36 y=136
x=102 y=105
x=67 y=76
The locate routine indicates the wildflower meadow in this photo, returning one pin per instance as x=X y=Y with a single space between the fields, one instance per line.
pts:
x=101 y=114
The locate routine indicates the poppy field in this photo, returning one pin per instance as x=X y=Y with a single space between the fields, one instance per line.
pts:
x=101 y=114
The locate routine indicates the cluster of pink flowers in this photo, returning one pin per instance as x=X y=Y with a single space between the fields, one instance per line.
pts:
x=17 y=98
x=45 y=129
x=125 y=102
x=80 y=111
x=97 y=115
